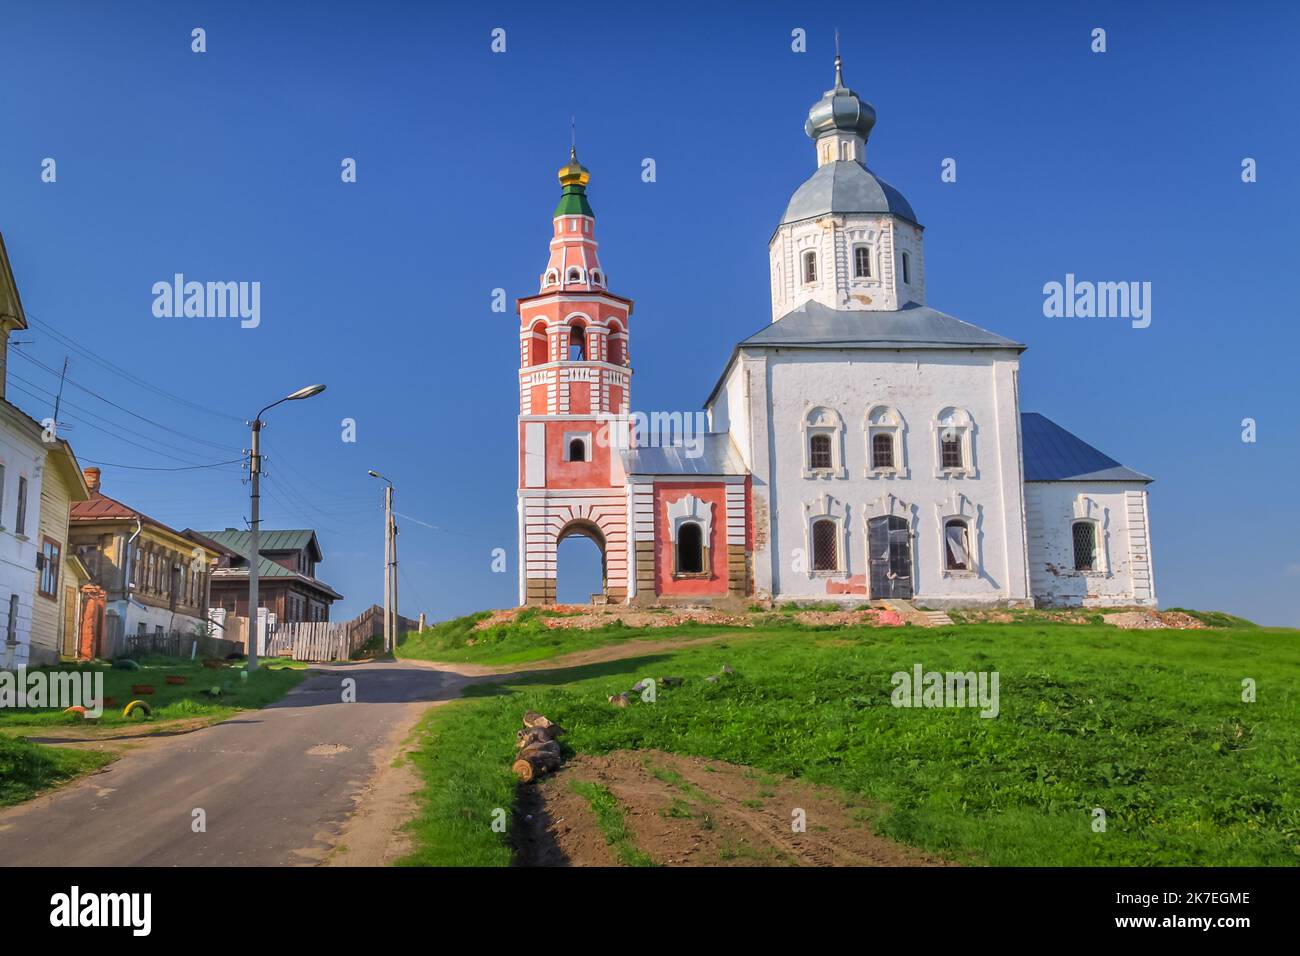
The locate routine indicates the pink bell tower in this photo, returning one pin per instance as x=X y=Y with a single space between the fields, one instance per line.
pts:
x=574 y=381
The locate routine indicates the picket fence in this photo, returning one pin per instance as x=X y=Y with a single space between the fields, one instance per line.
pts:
x=313 y=641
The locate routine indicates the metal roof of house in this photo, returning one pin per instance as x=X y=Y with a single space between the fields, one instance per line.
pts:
x=845 y=186
x=1053 y=454
x=269 y=541
x=814 y=325
x=715 y=456
x=100 y=507
x=293 y=540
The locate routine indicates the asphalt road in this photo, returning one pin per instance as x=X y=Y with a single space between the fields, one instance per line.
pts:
x=275 y=784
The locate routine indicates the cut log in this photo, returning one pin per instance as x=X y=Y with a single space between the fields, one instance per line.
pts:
x=536 y=762
x=533 y=735
x=533 y=719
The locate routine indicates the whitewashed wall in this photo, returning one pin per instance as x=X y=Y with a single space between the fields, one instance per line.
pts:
x=1120 y=509
x=24 y=456
x=917 y=385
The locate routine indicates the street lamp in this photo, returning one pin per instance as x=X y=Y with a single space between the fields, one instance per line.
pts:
x=255 y=471
x=390 y=566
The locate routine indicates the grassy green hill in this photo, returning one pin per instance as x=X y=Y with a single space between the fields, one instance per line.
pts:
x=1149 y=726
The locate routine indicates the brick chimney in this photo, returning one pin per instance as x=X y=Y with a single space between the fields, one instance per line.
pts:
x=92 y=479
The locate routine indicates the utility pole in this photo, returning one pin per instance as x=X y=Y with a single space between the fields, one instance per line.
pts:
x=255 y=519
x=390 y=566
x=255 y=504
x=393 y=576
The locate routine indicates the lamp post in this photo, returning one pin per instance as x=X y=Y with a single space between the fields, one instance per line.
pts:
x=390 y=567
x=255 y=472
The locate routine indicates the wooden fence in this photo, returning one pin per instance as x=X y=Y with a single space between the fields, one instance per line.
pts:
x=187 y=646
x=316 y=640
x=312 y=641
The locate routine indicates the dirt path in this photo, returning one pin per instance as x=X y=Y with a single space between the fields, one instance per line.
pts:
x=595 y=655
x=688 y=811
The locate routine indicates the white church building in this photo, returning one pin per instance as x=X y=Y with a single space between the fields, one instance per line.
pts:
x=862 y=446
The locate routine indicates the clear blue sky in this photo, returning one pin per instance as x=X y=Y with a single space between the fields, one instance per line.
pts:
x=225 y=166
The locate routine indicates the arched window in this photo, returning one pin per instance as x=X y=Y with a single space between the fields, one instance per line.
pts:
x=826 y=553
x=575 y=275
x=690 y=548
x=954 y=448
x=1085 y=545
x=861 y=262
x=956 y=539
x=810 y=267
x=950 y=449
x=882 y=450
x=552 y=277
x=538 y=348
x=577 y=343
x=577 y=450
x=614 y=346
x=595 y=276
x=819 y=452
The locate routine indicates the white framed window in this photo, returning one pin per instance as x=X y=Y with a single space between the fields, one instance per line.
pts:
x=1085 y=541
x=862 y=262
x=956 y=545
x=954 y=444
x=809 y=260
x=577 y=446
x=823 y=443
x=596 y=277
x=552 y=278
x=826 y=549
x=886 y=452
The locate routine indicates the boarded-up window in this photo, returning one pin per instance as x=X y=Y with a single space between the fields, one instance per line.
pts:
x=1085 y=546
x=690 y=548
x=956 y=546
x=882 y=450
x=826 y=555
x=819 y=451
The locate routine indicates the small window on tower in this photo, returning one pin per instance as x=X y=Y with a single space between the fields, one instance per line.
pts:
x=595 y=276
x=907 y=270
x=810 y=267
x=861 y=262
x=575 y=275
x=577 y=344
x=577 y=450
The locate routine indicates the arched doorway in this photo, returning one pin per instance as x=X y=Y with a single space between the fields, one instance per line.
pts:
x=579 y=567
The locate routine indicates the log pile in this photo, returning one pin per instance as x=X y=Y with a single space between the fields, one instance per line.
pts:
x=539 y=753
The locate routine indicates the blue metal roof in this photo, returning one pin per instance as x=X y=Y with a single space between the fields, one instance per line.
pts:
x=1053 y=454
x=714 y=456
x=845 y=186
x=814 y=325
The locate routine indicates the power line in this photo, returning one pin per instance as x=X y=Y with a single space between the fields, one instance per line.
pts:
x=109 y=401
x=113 y=464
x=128 y=375
x=86 y=411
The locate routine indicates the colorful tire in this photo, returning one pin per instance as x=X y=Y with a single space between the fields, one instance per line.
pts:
x=75 y=709
x=148 y=711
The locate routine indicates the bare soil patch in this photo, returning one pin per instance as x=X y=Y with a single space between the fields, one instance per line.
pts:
x=689 y=811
